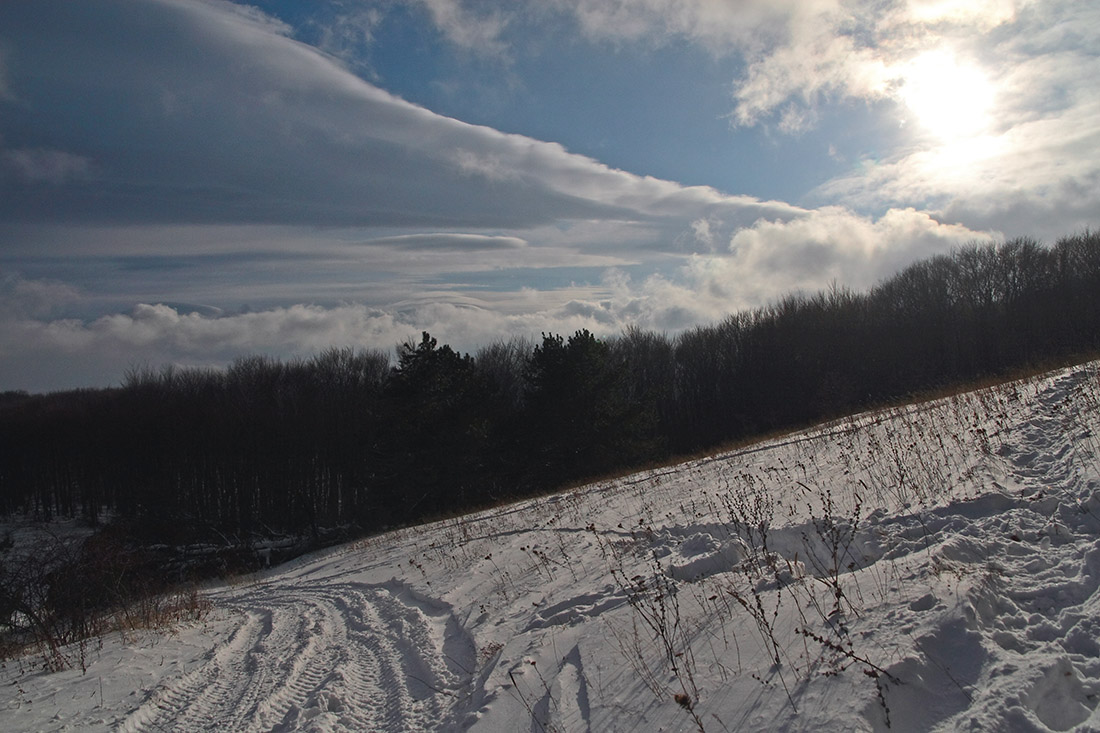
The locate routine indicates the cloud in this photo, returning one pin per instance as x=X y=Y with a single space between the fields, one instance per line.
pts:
x=1025 y=164
x=212 y=115
x=983 y=15
x=799 y=57
x=1035 y=169
x=170 y=333
x=448 y=241
x=720 y=26
x=63 y=353
x=795 y=78
x=39 y=350
x=793 y=51
x=45 y=166
x=773 y=258
x=480 y=34
x=202 y=146
x=833 y=244
x=344 y=31
x=29 y=298
x=798 y=54
x=1034 y=172
x=860 y=51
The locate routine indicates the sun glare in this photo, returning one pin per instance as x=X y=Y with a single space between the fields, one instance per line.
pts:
x=950 y=99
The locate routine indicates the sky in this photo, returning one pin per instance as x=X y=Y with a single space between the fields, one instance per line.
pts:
x=190 y=181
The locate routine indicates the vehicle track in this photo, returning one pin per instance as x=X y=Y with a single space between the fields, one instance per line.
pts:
x=331 y=657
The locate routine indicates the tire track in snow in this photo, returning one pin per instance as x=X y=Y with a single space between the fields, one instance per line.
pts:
x=315 y=649
x=323 y=657
x=202 y=686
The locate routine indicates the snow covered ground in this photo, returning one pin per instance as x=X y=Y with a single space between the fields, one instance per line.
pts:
x=928 y=568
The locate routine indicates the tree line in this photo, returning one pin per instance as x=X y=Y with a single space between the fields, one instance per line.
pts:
x=349 y=439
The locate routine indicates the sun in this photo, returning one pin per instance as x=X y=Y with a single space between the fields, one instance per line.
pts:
x=950 y=99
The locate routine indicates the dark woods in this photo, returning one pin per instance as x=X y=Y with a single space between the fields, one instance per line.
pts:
x=346 y=439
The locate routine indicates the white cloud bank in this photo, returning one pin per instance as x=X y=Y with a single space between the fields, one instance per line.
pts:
x=756 y=264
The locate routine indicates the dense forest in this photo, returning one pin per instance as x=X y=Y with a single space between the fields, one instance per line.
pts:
x=348 y=439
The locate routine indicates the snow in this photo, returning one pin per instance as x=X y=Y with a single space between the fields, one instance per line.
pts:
x=933 y=567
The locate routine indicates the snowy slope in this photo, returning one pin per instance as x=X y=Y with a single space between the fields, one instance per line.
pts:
x=928 y=568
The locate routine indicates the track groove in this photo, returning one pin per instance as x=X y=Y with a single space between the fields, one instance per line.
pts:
x=329 y=658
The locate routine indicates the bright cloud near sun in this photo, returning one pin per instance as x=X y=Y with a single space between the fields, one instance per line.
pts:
x=982 y=14
x=948 y=97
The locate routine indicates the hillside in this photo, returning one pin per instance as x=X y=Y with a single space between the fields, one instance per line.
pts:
x=930 y=567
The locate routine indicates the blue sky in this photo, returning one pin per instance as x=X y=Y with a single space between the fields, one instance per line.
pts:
x=188 y=181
